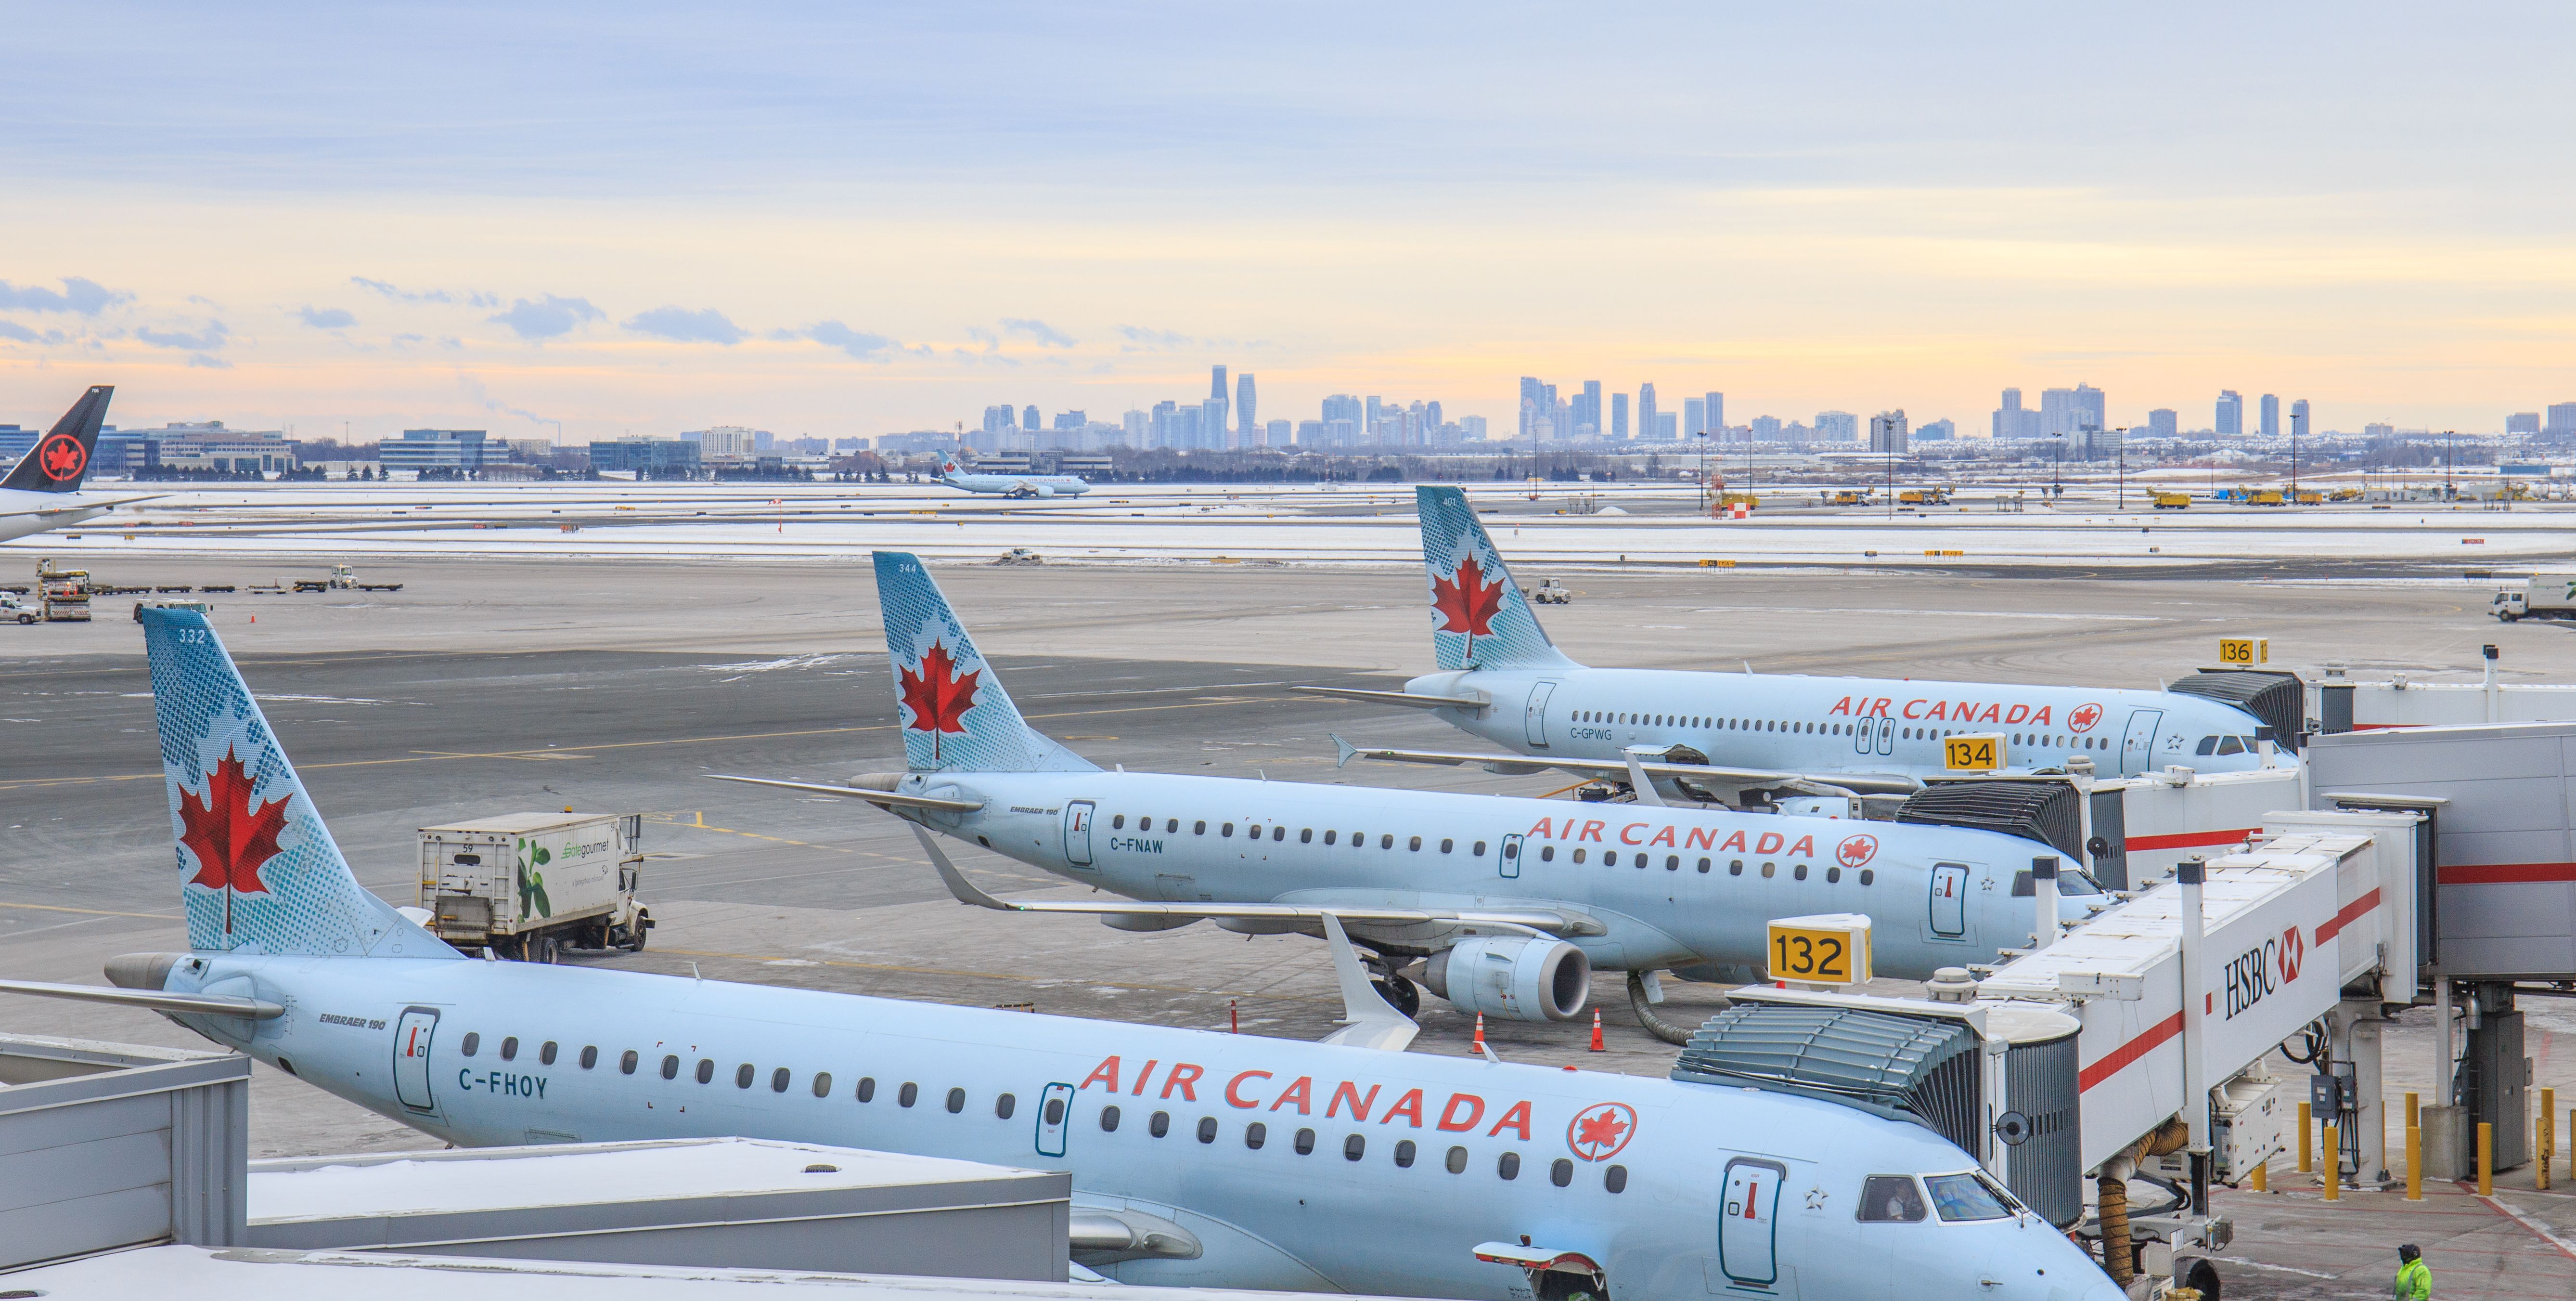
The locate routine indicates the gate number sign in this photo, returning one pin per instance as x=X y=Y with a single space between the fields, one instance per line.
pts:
x=1820 y=950
x=1977 y=752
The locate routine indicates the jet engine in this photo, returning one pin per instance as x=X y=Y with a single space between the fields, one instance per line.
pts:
x=1526 y=978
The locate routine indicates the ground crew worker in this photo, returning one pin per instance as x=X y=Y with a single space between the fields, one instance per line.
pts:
x=2414 y=1279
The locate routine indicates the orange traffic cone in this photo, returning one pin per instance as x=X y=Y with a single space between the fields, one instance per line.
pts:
x=1596 y=1031
x=1480 y=1030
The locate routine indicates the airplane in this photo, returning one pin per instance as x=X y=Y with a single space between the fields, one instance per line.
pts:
x=1013 y=485
x=1196 y=1157
x=42 y=491
x=1505 y=903
x=1747 y=737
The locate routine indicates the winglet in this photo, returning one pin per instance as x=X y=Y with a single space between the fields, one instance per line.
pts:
x=1347 y=751
x=1368 y=1021
x=955 y=880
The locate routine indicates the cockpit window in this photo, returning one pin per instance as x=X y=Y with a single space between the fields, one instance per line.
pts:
x=1964 y=1197
x=2208 y=745
x=1890 y=1199
x=2231 y=745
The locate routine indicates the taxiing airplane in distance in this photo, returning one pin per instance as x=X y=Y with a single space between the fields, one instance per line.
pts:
x=1013 y=485
x=1721 y=736
x=1507 y=903
x=43 y=490
x=1196 y=1156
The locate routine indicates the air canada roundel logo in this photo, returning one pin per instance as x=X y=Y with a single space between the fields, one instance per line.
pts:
x=1601 y=1130
x=60 y=458
x=2083 y=717
x=1856 y=851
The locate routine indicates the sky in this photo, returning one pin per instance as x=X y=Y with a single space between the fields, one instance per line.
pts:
x=575 y=221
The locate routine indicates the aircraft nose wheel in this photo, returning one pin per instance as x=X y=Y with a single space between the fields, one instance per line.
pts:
x=1399 y=994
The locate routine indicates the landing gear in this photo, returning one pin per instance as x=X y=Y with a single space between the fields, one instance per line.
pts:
x=1399 y=994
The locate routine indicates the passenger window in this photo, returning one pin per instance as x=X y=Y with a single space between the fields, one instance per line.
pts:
x=1328 y=836
x=1199 y=828
x=1735 y=867
x=546 y=1053
x=1171 y=825
x=1833 y=875
x=1386 y=841
x=510 y=1046
x=1207 y=1129
x=778 y=1080
x=1404 y=1154
x=1509 y=1167
x=867 y=1088
x=1610 y=858
x=1560 y=1172
x=1307 y=836
x=1964 y=1197
x=1890 y=1199
x=589 y=1056
x=1867 y=875
x=742 y=1076
x=1305 y=1142
x=1446 y=845
x=626 y=1062
x=1159 y=1124
x=1768 y=869
x=1416 y=845
x=1252 y=833
x=1457 y=1160
x=956 y=1101
x=671 y=1067
x=1479 y=850
x=1255 y=1134
x=907 y=1095
x=1547 y=853
x=1118 y=822
x=1673 y=862
x=1004 y=1105
x=1615 y=1179
x=1226 y=830
x=1578 y=856
x=1703 y=866
x=1798 y=873
x=1278 y=834
x=1109 y=1120
x=473 y=1040
x=822 y=1084
x=1354 y=1147
x=706 y=1070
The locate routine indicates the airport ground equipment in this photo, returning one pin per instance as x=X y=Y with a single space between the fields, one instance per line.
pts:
x=2173 y=501
x=62 y=595
x=525 y=885
x=107 y=1145
x=2541 y=596
x=17 y=610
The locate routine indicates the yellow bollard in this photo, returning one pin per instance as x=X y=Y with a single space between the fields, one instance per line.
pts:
x=2262 y=1180
x=2545 y=1140
x=2414 y=1163
x=2486 y=1159
x=2410 y=1111
x=2332 y=1175
x=2307 y=1156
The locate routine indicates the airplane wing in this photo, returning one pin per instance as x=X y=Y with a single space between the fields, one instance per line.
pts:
x=256 y=1009
x=1824 y=783
x=884 y=799
x=74 y=505
x=1407 y=699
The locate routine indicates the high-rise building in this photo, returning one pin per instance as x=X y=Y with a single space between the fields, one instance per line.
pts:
x=2299 y=418
x=2231 y=414
x=2065 y=410
x=1837 y=427
x=1472 y=428
x=1587 y=410
x=1764 y=429
x=1071 y=419
x=1376 y=415
x=1139 y=428
x=2013 y=420
x=1618 y=415
x=1649 y=425
x=1212 y=430
x=2164 y=422
x=1244 y=407
x=1431 y=421
x=1165 y=424
x=1342 y=409
x=2376 y=430
x=1310 y=433
x=1275 y=434
x=2522 y=422
x=1029 y=418
x=999 y=419
x=2271 y=416
x=1216 y=381
x=1887 y=432
x=2562 y=419
x=1716 y=415
x=1694 y=417
x=1937 y=431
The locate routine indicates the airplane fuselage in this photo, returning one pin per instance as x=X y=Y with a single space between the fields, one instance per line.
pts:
x=1824 y=725
x=1019 y=485
x=1296 y=1165
x=1675 y=887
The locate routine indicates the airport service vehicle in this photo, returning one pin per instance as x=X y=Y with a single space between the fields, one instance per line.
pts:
x=529 y=885
x=1230 y=1160
x=15 y=608
x=1014 y=485
x=43 y=490
x=1741 y=737
x=2542 y=596
x=1506 y=903
x=2173 y=501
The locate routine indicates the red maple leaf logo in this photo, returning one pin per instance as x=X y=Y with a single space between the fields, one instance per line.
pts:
x=1856 y=851
x=2084 y=717
x=1467 y=603
x=1601 y=1130
x=938 y=695
x=61 y=458
x=231 y=832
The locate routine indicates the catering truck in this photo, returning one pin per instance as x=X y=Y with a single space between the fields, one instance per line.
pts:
x=530 y=885
x=2541 y=596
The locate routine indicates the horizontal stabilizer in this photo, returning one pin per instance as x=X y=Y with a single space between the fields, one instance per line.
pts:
x=888 y=799
x=1407 y=699
x=1815 y=783
x=255 y=1009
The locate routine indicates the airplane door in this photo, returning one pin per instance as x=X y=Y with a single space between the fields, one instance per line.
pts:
x=1887 y=736
x=1949 y=901
x=1055 y=1114
x=1534 y=722
x=1748 y=1245
x=1864 y=735
x=2138 y=746
x=1077 y=832
x=412 y=1035
x=1509 y=864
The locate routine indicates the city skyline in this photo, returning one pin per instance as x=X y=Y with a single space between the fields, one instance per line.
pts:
x=296 y=219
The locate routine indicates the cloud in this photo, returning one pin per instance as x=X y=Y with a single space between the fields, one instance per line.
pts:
x=20 y=333
x=206 y=340
x=680 y=325
x=86 y=297
x=548 y=317
x=401 y=295
x=325 y=318
x=858 y=343
x=1140 y=339
x=474 y=389
x=1045 y=335
x=209 y=363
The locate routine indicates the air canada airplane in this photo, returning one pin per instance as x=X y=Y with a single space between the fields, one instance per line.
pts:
x=1508 y=902
x=1014 y=485
x=42 y=491
x=1721 y=735
x=1197 y=1157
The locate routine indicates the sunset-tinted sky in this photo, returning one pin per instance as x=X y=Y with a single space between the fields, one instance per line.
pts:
x=852 y=219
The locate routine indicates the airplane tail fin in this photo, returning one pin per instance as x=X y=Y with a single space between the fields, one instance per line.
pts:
x=258 y=870
x=60 y=459
x=1480 y=620
x=954 y=712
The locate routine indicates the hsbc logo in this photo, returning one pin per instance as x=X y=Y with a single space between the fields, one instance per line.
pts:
x=2263 y=970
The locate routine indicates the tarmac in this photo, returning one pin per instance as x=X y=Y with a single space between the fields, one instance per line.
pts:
x=490 y=685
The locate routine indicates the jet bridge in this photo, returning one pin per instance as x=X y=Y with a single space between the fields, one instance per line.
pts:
x=2136 y=1034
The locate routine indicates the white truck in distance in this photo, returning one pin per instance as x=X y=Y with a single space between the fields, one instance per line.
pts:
x=528 y=885
x=2543 y=596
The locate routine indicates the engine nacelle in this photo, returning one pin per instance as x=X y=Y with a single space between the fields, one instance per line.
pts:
x=1530 y=978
